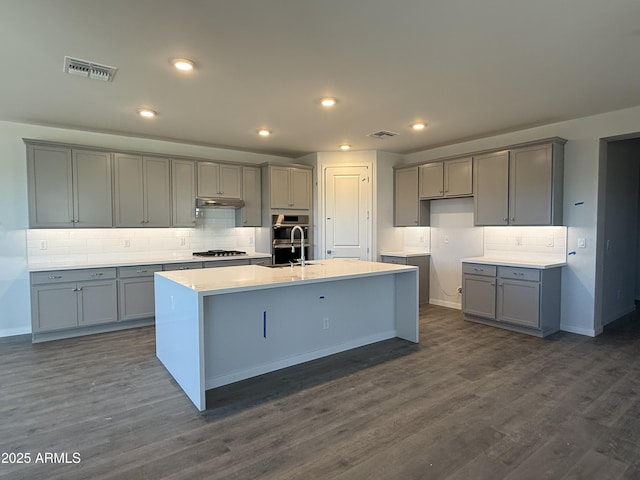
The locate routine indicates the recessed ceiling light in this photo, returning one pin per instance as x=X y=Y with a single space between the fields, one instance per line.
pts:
x=147 y=113
x=345 y=147
x=419 y=126
x=328 y=102
x=264 y=132
x=183 y=64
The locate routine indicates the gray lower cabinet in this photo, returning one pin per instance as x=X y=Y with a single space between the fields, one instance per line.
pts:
x=521 y=299
x=72 y=298
x=135 y=292
x=181 y=266
x=422 y=262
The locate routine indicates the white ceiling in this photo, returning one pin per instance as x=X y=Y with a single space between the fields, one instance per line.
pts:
x=468 y=68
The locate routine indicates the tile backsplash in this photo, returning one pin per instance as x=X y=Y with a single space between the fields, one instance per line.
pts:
x=215 y=229
x=526 y=242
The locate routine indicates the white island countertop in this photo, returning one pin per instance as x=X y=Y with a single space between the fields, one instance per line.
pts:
x=104 y=261
x=218 y=326
x=257 y=277
x=541 y=263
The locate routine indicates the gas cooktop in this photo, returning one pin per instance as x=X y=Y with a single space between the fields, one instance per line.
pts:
x=219 y=253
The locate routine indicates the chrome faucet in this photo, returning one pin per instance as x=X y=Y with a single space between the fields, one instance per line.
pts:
x=293 y=248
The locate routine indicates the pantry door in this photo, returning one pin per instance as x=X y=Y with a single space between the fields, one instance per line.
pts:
x=347 y=212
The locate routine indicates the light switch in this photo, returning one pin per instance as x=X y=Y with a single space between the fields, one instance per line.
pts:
x=582 y=243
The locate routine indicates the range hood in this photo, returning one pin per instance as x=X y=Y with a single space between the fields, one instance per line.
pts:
x=205 y=202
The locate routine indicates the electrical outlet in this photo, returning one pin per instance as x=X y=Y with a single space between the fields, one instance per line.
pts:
x=582 y=243
x=183 y=241
x=325 y=323
x=250 y=240
x=549 y=241
x=518 y=241
x=127 y=243
x=445 y=239
x=43 y=244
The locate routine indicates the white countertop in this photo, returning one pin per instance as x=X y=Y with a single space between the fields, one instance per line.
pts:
x=541 y=263
x=102 y=261
x=256 y=277
x=404 y=254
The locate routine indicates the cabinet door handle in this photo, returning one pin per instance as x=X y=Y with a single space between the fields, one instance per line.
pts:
x=505 y=219
x=54 y=277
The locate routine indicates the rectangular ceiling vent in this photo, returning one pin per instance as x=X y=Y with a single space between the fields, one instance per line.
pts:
x=84 y=68
x=382 y=134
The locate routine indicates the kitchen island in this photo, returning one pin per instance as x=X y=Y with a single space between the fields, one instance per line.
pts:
x=219 y=326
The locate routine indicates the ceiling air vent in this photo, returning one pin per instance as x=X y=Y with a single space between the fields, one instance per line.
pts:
x=84 y=68
x=382 y=134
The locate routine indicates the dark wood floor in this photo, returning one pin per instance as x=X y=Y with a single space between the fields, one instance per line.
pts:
x=468 y=402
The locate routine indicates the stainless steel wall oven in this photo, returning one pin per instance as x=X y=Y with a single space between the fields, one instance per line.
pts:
x=281 y=226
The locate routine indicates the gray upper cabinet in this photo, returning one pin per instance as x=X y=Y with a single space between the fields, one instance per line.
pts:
x=219 y=180
x=289 y=188
x=142 y=192
x=409 y=210
x=535 y=185
x=448 y=178
x=251 y=214
x=491 y=184
x=183 y=192
x=68 y=188
x=521 y=186
x=431 y=180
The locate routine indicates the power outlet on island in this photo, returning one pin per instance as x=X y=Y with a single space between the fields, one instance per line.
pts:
x=325 y=323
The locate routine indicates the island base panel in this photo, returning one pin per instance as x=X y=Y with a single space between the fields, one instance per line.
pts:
x=251 y=333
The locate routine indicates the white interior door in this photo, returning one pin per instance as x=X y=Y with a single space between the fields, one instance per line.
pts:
x=346 y=222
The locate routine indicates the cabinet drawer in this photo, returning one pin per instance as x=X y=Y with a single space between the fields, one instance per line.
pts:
x=394 y=260
x=479 y=269
x=139 y=271
x=60 y=276
x=519 y=273
x=182 y=266
x=226 y=263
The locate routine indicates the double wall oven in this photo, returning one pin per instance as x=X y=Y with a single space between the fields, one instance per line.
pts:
x=281 y=226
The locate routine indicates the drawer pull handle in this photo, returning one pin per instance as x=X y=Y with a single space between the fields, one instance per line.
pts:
x=184 y=268
x=54 y=277
x=141 y=271
x=479 y=269
x=98 y=274
x=518 y=274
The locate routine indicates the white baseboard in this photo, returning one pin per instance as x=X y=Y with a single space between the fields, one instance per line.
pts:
x=295 y=360
x=12 y=332
x=444 y=303
x=590 y=332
